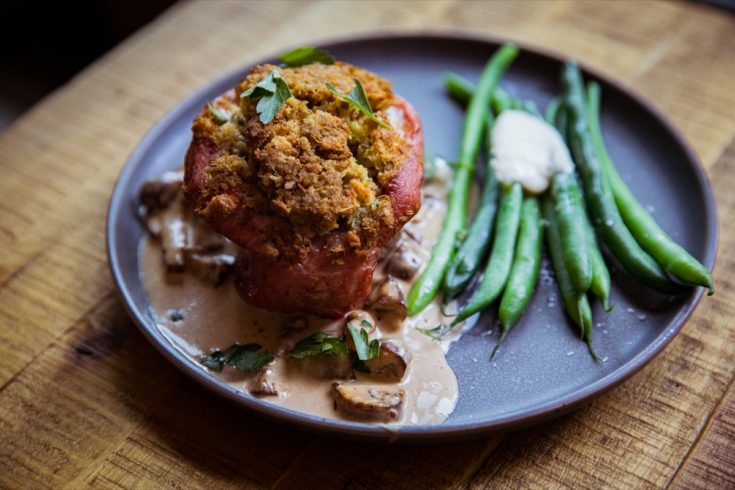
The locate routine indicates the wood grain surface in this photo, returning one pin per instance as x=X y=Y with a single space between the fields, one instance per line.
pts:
x=85 y=401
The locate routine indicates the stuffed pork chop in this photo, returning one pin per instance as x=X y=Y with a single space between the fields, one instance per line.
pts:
x=306 y=182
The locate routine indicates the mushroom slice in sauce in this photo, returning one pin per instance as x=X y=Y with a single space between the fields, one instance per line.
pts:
x=158 y=194
x=389 y=304
x=361 y=319
x=212 y=268
x=175 y=239
x=369 y=402
x=184 y=237
x=391 y=363
x=263 y=385
x=358 y=317
x=403 y=263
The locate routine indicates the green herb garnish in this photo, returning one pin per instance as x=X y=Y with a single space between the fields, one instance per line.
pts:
x=366 y=349
x=221 y=117
x=317 y=344
x=176 y=315
x=305 y=56
x=357 y=98
x=249 y=358
x=436 y=332
x=271 y=93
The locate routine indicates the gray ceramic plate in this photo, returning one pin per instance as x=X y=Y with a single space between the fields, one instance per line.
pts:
x=543 y=370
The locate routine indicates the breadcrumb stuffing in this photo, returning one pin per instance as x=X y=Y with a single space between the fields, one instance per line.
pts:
x=320 y=165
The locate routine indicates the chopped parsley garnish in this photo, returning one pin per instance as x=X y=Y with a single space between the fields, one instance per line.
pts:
x=305 y=56
x=176 y=315
x=249 y=358
x=436 y=332
x=271 y=93
x=317 y=344
x=366 y=349
x=221 y=117
x=357 y=98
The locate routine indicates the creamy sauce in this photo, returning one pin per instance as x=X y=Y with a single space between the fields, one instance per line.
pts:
x=528 y=150
x=215 y=318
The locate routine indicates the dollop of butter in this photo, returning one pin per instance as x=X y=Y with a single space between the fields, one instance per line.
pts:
x=528 y=150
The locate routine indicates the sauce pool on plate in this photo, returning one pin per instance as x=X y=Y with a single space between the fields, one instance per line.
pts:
x=202 y=312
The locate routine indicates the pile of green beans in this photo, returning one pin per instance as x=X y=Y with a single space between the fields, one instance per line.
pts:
x=575 y=255
x=675 y=260
x=428 y=284
x=524 y=273
x=575 y=303
x=468 y=258
x=501 y=257
x=574 y=217
x=603 y=209
x=513 y=272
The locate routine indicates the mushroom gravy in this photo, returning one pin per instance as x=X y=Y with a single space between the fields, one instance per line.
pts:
x=200 y=311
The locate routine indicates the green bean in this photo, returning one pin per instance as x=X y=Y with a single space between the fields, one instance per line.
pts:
x=602 y=206
x=576 y=304
x=469 y=257
x=459 y=87
x=501 y=256
x=430 y=280
x=675 y=260
x=526 y=266
x=560 y=122
x=552 y=109
x=570 y=212
x=462 y=89
x=501 y=101
x=600 y=285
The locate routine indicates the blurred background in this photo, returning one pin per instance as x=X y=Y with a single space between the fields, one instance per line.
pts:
x=46 y=42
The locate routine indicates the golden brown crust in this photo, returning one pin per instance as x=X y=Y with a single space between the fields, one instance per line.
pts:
x=321 y=165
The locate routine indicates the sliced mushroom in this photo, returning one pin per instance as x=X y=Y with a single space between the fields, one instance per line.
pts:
x=391 y=363
x=263 y=385
x=360 y=319
x=404 y=262
x=326 y=366
x=360 y=316
x=175 y=240
x=389 y=304
x=159 y=193
x=369 y=402
x=212 y=268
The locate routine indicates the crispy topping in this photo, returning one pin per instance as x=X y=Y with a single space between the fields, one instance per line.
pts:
x=320 y=164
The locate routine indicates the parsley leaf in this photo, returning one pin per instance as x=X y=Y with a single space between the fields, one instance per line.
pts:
x=306 y=55
x=357 y=98
x=366 y=349
x=221 y=117
x=249 y=358
x=318 y=343
x=271 y=93
x=436 y=332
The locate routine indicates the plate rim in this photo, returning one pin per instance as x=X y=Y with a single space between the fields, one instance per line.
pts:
x=422 y=433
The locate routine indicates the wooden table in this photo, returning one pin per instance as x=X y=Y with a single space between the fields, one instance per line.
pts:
x=86 y=401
